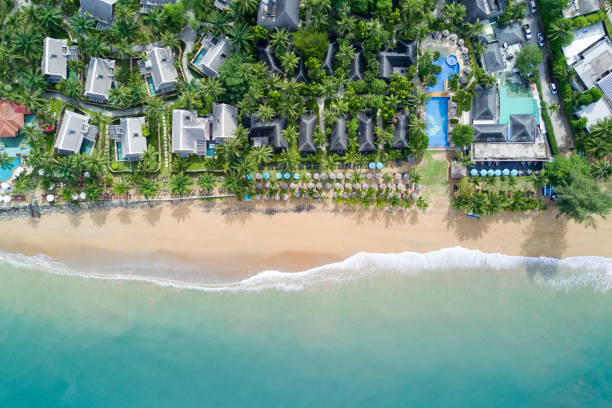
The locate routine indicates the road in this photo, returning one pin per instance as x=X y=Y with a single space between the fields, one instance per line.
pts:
x=559 y=121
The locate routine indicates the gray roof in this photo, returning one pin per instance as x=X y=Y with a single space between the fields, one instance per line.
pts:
x=356 y=67
x=215 y=57
x=55 y=57
x=398 y=59
x=189 y=132
x=595 y=63
x=266 y=54
x=510 y=34
x=163 y=71
x=99 y=9
x=308 y=123
x=522 y=129
x=485 y=103
x=495 y=133
x=129 y=132
x=268 y=133
x=99 y=77
x=155 y=3
x=493 y=59
x=224 y=120
x=301 y=76
x=605 y=84
x=400 y=133
x=74 y=128
x=365 y=133
x=480 y=9
x=279 y=14
x=328 y=61
x=338 y=141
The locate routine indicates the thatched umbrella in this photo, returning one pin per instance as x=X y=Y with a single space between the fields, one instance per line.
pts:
x=391 y=186
x=258 y=176
x=332 y=176
x=378 y=176
x=453 y=37
x=315 y=176
x=339 y=176
x=375 y=186
x=319 y=186
x=357 y=186
x=267 y=185
x=382 y=186
x=345 y=195
x=297 y=194
x=259 y=186
x=364 y=186
x=293 y=186
x=401 y=187
x=337 y=185
x=348 y=186
x=328 y=186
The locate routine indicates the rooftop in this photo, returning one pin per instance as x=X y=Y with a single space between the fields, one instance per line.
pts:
x=279 y=14
x=99 y=77
x=99 y=9
x=522 y=129
x=163 y=72
x=74 y=128
x=400 y=132
x=595 y=63
x=55 y=57
x=338 y=141
x=10 y=119
x=493 y=58
x=485 y=106
x=365 y=133
x=268 y=133
x=509 y=34
x=491 y=133
x=214 y=57
x=225 y=121
x=480 y=9
x=129 y=132
x=308 y=123
x=583 y=39
x=398 y=59
x=595 y=112
x=189 y=132
x=577 y=8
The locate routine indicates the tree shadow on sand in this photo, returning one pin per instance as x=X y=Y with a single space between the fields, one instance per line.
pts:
x=153 y=214
x=99 y=217
x=125 y=216
x=464 y=227
x=180 y=212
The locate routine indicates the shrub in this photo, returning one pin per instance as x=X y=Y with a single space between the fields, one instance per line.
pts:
x=114 y=166
x=310 y=43
x=589 y=96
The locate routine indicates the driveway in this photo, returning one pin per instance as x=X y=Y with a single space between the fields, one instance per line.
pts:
x=559 y=121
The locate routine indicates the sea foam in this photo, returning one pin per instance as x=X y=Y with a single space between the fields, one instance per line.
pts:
x=568 y=273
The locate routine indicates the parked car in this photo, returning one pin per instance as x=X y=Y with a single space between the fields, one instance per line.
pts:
x=541 y=39
x=532 y=3
x=553 y=88
x=527 y=31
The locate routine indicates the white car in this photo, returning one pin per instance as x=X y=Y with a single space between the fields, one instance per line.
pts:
x=553 y=88
x=540 y=39
x=532 y=3
x=527 y=31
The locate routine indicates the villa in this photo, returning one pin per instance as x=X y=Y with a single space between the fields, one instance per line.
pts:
x=584 y=38
x=365 y=133
x=189 y=133
x=481 y=9
x=11 y=119
x=101 y=10
x=308 y=123
x=100 y=79
x=502 y=43
x=130 y=141
x=56 y=54
x=330 y=54
x=159 y=71
x=357 y=67
x=150 y=4
x=400 y=133
x=224 y=121
x=492 y=59
x=266 y=54
x=510 y=34
x=485 y=107
x=279 y=14
x=594 y=64
x=74 y=132
x=338 y=140
x=594 y=112
x=398 y=60
x=268 y=133
x=211 y=55
x=577 y=8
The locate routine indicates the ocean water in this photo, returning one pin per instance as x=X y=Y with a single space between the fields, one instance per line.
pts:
x=452 y=328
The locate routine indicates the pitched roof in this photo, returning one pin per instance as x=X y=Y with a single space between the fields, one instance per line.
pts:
x=300 y=76
x=215 y=57
x=267 y=55
x=224 y=120
x=269 y=132
x=328 y=61
x=510 y=34
x=400 y=133
x=163 y=71
x=494 y=133
x=398 y=59
x=485 y=103
x=522 y=129
x=584 y=38
x=605 y=84
x=480 y=9
x=129 y=131
x=365 y=133
x=99 y=77
x=99 y=9
x=189 y=131
x=595 y=63
x=10 y=120
x=595 y=112
x=356 y=67
x=308 y=123
x=54 y=59
x=74 y=128
x=338 y=141
x=279 y=14
x=493 y=59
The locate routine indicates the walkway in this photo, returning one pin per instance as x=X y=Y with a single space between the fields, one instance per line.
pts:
x=165 y=139
x=138 y=110
x=188 y=35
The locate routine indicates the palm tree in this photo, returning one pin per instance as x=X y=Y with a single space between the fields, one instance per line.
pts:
x=121 y=188
x=27 y=43
x=279 y=40
x=49 y=17
x=265 y=113
x=207 y=182
x=240 y=35
x=291 y=135
x=119 y=96
x=169 y=39
x=219 y=22
x=261 y=154
x=5 y=161
x=244 y=7
x=290 y=157
x=417 y=124
x=289 y=61
x=191 y=100
x=601 y=169
x=148 y=188
x=81 y=23
x=345 y=54
x=608 y=5
x=180 y=184
x=561 y=30
x=553 y=107
x=474 y=29
x=454 y=12
x=418 y=99
x=213 y=87
x=149 y=157
x=153 y=17
x=73 y=88
x=602 y=129
x=32 y=101
x=94 y=46
x=154 y=108
x=33 y=79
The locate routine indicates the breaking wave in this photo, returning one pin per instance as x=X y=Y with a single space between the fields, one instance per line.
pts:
x=564 y=274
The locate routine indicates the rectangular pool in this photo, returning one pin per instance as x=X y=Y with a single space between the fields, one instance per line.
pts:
x=86 y=147
x=515 y=105
x=151 y=86
x=198 y=58
x=436 y=115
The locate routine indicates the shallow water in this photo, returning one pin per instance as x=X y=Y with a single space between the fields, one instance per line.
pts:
x=450 y=328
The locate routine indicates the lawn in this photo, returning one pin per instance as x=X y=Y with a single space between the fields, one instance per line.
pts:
x=434 y=169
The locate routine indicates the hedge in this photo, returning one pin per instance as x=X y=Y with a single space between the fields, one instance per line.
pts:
x=550 y=133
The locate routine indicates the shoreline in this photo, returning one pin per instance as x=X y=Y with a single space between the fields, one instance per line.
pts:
x=223 y=240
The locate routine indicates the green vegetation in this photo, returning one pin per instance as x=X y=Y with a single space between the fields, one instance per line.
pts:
x=528 y=59
x=462 y=135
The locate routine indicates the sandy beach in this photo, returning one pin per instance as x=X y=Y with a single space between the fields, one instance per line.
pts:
x=227 y=240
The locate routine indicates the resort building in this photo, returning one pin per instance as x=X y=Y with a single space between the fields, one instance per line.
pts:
x=365 y=133
x=74 y=132
x=189 y=133
x=224 y=122
x=584 y=38
x=308 y=124
x=330 y=56
x=11 y=119
x=594 y=64
x=575 y=8
x=130 y=141
x=481 y=9
x=595 y=112
x=400 y=133
x=266 y=54
x=485 y=107
x=101 y=10
x=159 y=71
x=510 y=34
x=150 y=4
x=492 y=59
x=100 y=79
x=268 y=133
x=357 y=67
x=211 y=55
x=338 y=140
x=222 y=4
x=398 y=60
x=279 y=14
x=56 y=54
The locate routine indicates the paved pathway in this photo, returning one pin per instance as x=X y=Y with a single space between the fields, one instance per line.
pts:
x=138 y=110
x=188 y=35
x=19 y=4
x=165 y=139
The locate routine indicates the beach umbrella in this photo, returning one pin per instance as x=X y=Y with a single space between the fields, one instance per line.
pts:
x=51 y=186
x=311 y=185
x=357 y=186
x=339 y=176
x=338 y=185
x=445 y=33
x=319 y=186
x=276 y=197
x=490 y=172
x=292 y=186
x=379 y=165
x=374 y=186
x=308 y=175
x=506 y=172
x=418 y=187
x=285 y=197
x=461 y=41
x=498 y=172
x=41 y=172
x=332 y=176
x=401 y=187
x=266 y=176
x=259 y=186
x=483 y=172
x=345 y=195
x=372 y=165
x=369 y=176
x=406 y=176
x=390 y=186
x=364 y=186
x=50 y=197
x=284 y=186
x=247 y=197
x=287 y=176
x=83 y=195
x=279 y=176
x=414 y=195
x=296 y=176
x=474 y=172
x=249 y=176
x=514 y=172
x=464 y=50
x=323 y=176
x=378 y=176
x=335 y=195
x=328 y=186
x=347 y=186
x=267 y=185
x=257 y=197
x=397 y=176
x=4 y=186
x=74 y=197
x=323 y=194
x=297 y=194
x=382 y=186
x=258 y=176
x=315 y=176
x=86 y=174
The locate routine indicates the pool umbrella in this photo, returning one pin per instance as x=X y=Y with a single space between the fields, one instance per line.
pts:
x=296 y=176
x=514 y=172
x=497 y=172
x=379 y=165
x=453 y=37
x=506 y=172
x=337 y=185
x=483 y=172
x=445 y=33
x=4 y=186
x=287 y=176
x=339 y=176
x=364 y=186
x=266 y=176
x=284 y=186
x=276 y=197
x=335 y=195
x=297 y=194
x=315 y=176
x=74 y=197
x=357 y=186
x=319 y=186
x=369 y=176
x=308 y=175
x=328 y=186
x=323 y=176
x=83 y=195
x=372 y=165
x=311 y=185
x=247 y=197
x=258 y=176
x=414 y=195
x=249 y=176
x=398 y=176
x=332 y=176
x=292 y=186
x=279 y=176
x=464 y=50
x=406 y=176
x=257 y=197
x=86 y=174
x=491 y=172
x=50 y=197
x=461 y=41
x=474 y=172
x=41 y=172
x=285 y=197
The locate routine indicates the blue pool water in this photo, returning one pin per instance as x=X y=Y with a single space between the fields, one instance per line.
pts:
x=151 y=86
x=436 y=115
x=210 y=150
x=86 y=147
x=199 y=57
x=119 y=151
x=447 y=71
x=5 y=174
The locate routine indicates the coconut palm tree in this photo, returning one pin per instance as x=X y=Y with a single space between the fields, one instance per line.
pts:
x=191 y=99
x=561 y=30
x=73 y=88
x=5 y=161
x=289 y=62
x=265 y=113
x=417 y=124
x=207 y=182
x=279 y=40
x=119 y=96
x=169 y=39
x=121 y=188
x=474 y=29
x=149 y=157
x=291 y=135
x=27 y=43
x=240 y=35
x=154 y=17
x=290 y=157
x=154 y=108
x=213 y=88
x=94 y=46
x=261 y=154
x=33 y=79
x=244 y=7
x=148 y=188
x=454 y=12
x=418 y=99
x=49 y=17
x=81 y=24
x=601 y=169
x=345 y=54
x=180 y=184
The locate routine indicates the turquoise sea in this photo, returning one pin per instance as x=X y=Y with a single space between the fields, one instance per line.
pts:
x=452 y=328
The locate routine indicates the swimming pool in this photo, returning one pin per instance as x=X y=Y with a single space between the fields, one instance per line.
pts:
x=447 y=71
x=515 y=105
x=436 y=115
x=198 y=58
x=86 y=147
x=151 y=86
x=119 y=152
x=5 y=174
